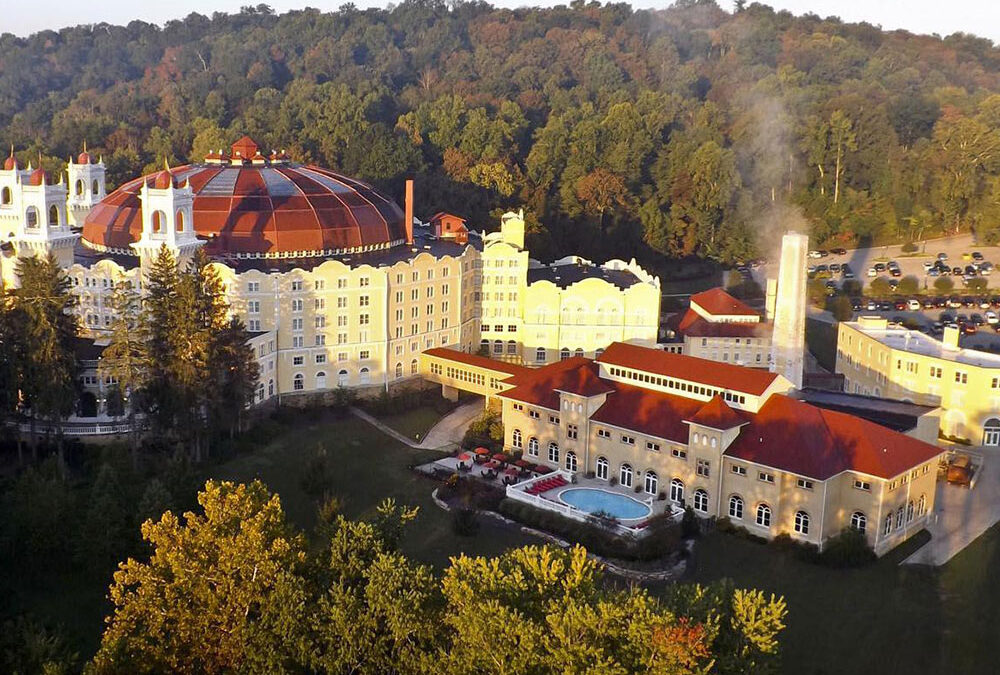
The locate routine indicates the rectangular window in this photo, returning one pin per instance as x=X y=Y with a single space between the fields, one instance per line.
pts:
x=321 y=358
x=253 y=287
x=739 y=470
x=319 y=303
x=628 y=440
x=533 y=414
x=253 y=306
x=571 y=431
x=804 y=484
x=298 y=360
x=297 y=341
x=679 y=453
x=960 y=377
x=364 y=354
x=297 y=323
x=863 y=485
x=603 y=433
x=703 y=468
x=363 y=301
x=363 y=319
x=765 y=477
x=319 y=284
x=320 y=340
x=363 y=281
x=296 y=286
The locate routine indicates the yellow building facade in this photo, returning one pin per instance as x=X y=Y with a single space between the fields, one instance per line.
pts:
x=896 y=363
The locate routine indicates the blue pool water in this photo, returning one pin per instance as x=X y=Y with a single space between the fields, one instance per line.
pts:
x=592 y=501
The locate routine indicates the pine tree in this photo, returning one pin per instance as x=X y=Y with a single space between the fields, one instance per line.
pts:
x=105 y=521
x=234 y=376
x=47 y=330
x=11 y=359
x=126 y=358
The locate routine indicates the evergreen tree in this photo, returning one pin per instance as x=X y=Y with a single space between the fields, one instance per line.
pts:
x=126 y=358
x=47 y=331
x=104 y=525
x=11 y=361
x=233 y=376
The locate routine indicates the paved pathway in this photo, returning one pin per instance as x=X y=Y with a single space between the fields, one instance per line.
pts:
x=961 y=515
x=449 y=430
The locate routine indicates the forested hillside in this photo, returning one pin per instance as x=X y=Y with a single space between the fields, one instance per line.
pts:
x=619 y=131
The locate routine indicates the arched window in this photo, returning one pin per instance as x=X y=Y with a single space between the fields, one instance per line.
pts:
x=53 y=216
x=695 y=438
x=571 y=461
x=95 y=188
x=270 y=388
x=414 y=367
x=701 y=501
x=909 y=511
x=515 y=438
x=158 y=221
x=484 y=345
x=365 y=375
x=764 y=515
x=260 y=392
x=6 y=196
x=554 y=452
x=399 y=370
x=179 y=221
x=533 y=446
x=991 y=432
x=625 y=475
x=677 y=491
x=578 y=352
x=712 y=442
x=321 y=380
x=652 y=483
x=79 y=188
x=511 y=347
x=342 y=378
x=802 y=522
x=540 y=355
x=298 y=382
x=602 y=468
x=498 y=346
x=859 y=521
x=736 y=507
x=31 y=218
x=887 y=528
x=921 y=505
x=899 y=518
x=597 y=353
x=564 y=353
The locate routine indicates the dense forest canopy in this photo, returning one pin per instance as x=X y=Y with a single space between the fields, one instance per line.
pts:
x=622 y=132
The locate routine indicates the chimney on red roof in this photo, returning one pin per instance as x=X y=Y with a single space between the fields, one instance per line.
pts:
x=408 y=211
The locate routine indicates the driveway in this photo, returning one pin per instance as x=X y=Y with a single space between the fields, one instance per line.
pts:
x=451 y=428
x=961 y=515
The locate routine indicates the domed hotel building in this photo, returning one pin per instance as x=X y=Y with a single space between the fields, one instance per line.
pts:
x=336 y=285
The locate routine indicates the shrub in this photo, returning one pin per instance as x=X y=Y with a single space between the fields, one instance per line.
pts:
x=943 y=284
x=880 y=287
x=908 y=285
x=464 y=522
x=841 y=308
x=486 y=430
x=689 y=524
x=909 y=247
x=847 y=549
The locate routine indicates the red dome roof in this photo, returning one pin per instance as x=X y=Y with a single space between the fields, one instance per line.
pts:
x=266 y=209
x=10 y=163
x=164 y=180
x=84 y=158
x=38 y=177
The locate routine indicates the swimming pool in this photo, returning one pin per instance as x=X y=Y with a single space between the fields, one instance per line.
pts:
x=612 y=503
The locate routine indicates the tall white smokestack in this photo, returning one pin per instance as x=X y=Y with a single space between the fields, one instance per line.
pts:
x=789 y=335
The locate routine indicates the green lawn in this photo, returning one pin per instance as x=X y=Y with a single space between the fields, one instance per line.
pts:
x=884 y=618
x=414 y=423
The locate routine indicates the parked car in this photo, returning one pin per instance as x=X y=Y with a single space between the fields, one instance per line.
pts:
x=872 y=306
x=913 y=305
x=838 y=251
x=976 y=255
x=977 y=319
x=933 y=272
x=895 y=271
x=872 y=272
x=956 y=271
x=985 y=268
x=942 y=257
x=928 y=265
x=969 y=329
x=954 y=302
x=899 y=304
x=846 y=271
x=992 y=318
x=835 y=268
x=815 y=254
x=970 y=270
x=880 y=267
x=856 y=304
x=929 y=303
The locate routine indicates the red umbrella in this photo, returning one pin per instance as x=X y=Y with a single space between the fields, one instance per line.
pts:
x=482 y=451
x=523 y=463
x=500 y=457
x=512 y=471
x=463 y=457
x=541 y=468
x=493 y=465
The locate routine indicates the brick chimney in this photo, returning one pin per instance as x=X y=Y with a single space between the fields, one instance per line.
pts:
x=408 y=208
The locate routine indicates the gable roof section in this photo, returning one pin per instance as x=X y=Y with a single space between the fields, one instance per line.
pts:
x=690 y=368
x=717 y=415
x=793 y=436
x=693 y=324
x=717 y=302
x=541 y=387
x=647 y=412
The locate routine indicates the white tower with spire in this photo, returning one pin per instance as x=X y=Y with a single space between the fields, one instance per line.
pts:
x=788 y=339
x=86 y=186
x=167 y=218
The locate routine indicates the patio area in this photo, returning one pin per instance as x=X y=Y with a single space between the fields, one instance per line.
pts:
x=568 y=493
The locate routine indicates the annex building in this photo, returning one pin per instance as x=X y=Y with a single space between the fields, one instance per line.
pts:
x=338 y=285
x=719 y=327
x=896 y=363
x=728 y=440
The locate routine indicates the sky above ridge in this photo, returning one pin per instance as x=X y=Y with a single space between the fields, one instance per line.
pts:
x=979 y=17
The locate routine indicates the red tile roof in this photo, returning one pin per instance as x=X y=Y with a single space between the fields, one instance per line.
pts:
x=541 y=386
x=693 y=324
x=717 y=415
x=716 y=301
x=476 y=360
x=794 y=436
x=648 y=412
x=690 y=368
